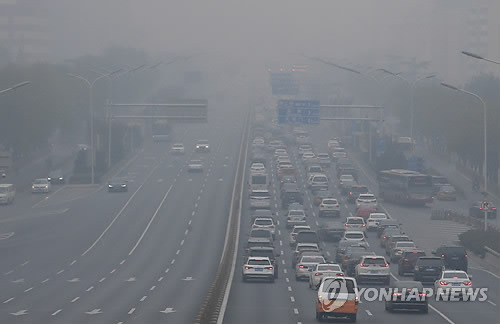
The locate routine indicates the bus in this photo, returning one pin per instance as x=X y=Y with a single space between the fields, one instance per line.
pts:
x=405 y=187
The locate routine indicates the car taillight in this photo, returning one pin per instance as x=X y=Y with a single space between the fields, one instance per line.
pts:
x=246 y=268
x=269 y=268
x=466 y=255
x=301 y=266
x=386 y=265
x=364 y=225
x=467 y=283
x=318 y=274
x=442 y=255
x=422 y=294
x=396 y=294
x=350 y=193
x=363 y=265
x=443 y=282
x=340 y=274
x=356 y=300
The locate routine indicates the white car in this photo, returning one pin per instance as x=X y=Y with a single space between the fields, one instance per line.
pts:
x=373 y=221
x=324 y=159
x=306 y=263
x=318 y=182
x=195 y=166
x=264 y=223
x=303 y=148
x=260 y=199
x=177 y=148
x=292 y=221
x=373 y=268
x=355 y=224
x=452 y=282
x=258 y=268
x=323 y=270
x=202 y=146
x=280 y=152
x=367 y=200
x=41 y=185
x=356 y=236
x=295 y=230
x=257 y=167
x=333 y=144
x=329 y=207
x=308 y=156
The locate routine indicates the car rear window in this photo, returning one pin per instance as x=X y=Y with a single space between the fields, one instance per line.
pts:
x=260 y=194
x=375 y=261
x=454 y=250
x=329 y=201
x=430 y=262
x=354 y=235
x=258 y=262
x=320 y=179
x=328 y=268
x=405 y=244
x=338 y=285
x=454 y=275
x=263 y=222
x=355 y=221
x=260 y=233
x=414 y=254
x=313 y=259
x=296 y=213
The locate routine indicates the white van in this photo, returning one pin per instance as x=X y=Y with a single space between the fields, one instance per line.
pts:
x=7 y=193
x=259 y=181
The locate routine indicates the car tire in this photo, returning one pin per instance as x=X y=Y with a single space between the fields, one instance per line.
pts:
x=388 y=308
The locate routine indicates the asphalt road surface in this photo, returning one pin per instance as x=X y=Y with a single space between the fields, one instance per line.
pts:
x=290 y=301
x=149 y=255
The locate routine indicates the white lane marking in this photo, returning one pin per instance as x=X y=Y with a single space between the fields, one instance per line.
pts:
x=75 y=299
x=8 y=300
x=131 y=311
x=102 y=279
x=60 y=271
x=441 y=314
x=167 y=270
x=177 y=252
x=122 y=262
x=292 y=299
x=143 y=298
x=489 y=272
x=8 y=273
x=296 y=311
x=328 y=253
x=289 y=288
x=160 y=279
x=190 y=221
x=368 y=312
x=46 y=280
x=113 y=271
x=314 y=214
x=492 y=303
x=287 y=280
x=72 y=262
x=173 y=261
x=119 y=213
x=285 y=270
x=25 y=263
x=90 y=288
x=193 y=213
x=18 y=281
x=151 y=220
x=21 y=312
x=168 y=310
x=152 y=288
x=31 y=288
x=56 y=312
x=317 y=224
x=283 y=261
x=195 y=205
x=186 y=232
x=279 y=232
x=281 y=242
x=182 y=242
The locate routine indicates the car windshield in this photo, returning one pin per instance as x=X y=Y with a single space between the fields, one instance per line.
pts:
x=299 y=229
x=454 y=250
x=333 y=267
x=41 y=181
x=346 y=177
x=258 y=262
x=454 y=275
x=263 y=222
x=260 y=233
x=366 y=197
x=320 y=179
x=323 y=156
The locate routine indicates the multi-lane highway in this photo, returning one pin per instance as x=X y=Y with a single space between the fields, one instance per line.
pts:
x=149 y=255
x=289 y=301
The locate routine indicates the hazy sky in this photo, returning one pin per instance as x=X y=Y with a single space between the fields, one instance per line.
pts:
x=272 y=31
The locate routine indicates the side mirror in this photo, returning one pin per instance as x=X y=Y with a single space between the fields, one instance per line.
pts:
x=470 y=278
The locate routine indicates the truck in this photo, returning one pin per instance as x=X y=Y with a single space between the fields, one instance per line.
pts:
x=5 y=162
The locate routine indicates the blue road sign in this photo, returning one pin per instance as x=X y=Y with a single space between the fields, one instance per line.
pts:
x=299 y=112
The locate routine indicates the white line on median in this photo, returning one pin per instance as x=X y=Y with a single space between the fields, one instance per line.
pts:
x=492 y=303
x=8 y=300
x=90 y=288
x=131 y=311
x=143 y=298
x=296 y=311
x=75 y=299
x=56 y=312
x=292 y=299
x=368 y=312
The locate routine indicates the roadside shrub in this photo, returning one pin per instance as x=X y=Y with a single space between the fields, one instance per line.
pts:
x=475 y=241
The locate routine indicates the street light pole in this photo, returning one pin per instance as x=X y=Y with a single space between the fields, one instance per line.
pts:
x=91 y=113
x=485 y=132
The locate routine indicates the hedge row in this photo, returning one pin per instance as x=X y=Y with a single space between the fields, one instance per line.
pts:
x=475 y=240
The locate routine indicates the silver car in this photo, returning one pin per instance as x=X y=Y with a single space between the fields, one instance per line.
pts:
x=40 y=185
x=258 y=268
x=306 y=263
x=323 y=270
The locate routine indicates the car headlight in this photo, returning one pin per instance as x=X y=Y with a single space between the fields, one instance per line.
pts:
x=61 y=178
x=49 y=178
x=110 y=186
x=124 y=185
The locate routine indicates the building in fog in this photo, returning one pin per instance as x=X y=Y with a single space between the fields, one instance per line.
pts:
x=24 y=31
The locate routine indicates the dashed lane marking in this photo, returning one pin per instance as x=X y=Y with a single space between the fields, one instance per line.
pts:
x=368 y=312
x=143 y=298
x=56 y=312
